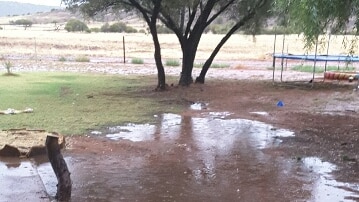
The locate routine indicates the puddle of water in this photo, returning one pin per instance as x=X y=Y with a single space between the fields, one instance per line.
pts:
x=132 y=132
x=221 y=115
x=325 y=188
x=198 y=106
x=195 y=159
x=20 y=180
x=209 y=130
x=261 y=113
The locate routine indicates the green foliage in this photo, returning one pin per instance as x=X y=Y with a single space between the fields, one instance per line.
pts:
x=75 y=25
x=316 y=17
x=23 y=22
x=82 y=59
x=172 y=62
x=137 y=61
x=118 y=27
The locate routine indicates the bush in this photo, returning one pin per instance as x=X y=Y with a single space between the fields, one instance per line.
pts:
x=130 y=29
x=62 y=59
x=172 y=63
x=163 y=30
x=74 y=25
x=105 y=27
x=82 y=59
x=95 y=29
x=118 y=27
x=137 y=61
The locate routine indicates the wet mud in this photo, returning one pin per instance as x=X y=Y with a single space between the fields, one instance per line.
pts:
x=192 y=157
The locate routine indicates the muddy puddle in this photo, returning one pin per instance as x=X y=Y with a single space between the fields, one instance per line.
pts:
x=182 y=158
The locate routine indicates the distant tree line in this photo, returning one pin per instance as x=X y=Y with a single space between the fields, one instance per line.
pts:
x=218 y=27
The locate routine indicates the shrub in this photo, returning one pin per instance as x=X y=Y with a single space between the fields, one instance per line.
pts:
x=118 y=27
x=95 y=29
x=74 y=25
x=130 y=29
x=62 y=59
x=137 y=61
x=82 y=59
x=172 y=63
x=105 y=27
x=163 y=30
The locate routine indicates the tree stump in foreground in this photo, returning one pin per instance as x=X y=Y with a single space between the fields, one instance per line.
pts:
x=60 y=168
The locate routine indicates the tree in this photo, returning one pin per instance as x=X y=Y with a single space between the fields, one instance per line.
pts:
x=188 y=19
x=23 y=22
x=316 y=17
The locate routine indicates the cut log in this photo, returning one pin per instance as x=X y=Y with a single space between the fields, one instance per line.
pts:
x=60 y=168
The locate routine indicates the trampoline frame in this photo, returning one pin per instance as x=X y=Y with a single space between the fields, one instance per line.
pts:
x=315 y=58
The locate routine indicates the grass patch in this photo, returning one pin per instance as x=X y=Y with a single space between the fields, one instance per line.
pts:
x=213 y=65
x=75 y=103
x=172 y=63
x=319 y=69
x=223 y=65
x=82 y=59
x=137 y=61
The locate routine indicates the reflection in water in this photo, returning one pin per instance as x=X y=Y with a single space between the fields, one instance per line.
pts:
x=186 y=158
x=132 y=132
x=325 y=188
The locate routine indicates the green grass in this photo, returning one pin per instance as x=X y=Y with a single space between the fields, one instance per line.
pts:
x=75 y=103
x=213 y=65
x=172 y=63
x=319 y=69
x=137 y=61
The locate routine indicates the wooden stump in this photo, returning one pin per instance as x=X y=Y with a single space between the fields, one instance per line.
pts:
x=60 y=168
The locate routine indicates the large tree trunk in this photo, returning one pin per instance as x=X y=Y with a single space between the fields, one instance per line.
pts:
x=158 y=58
x=187 y=67
x=189 y=49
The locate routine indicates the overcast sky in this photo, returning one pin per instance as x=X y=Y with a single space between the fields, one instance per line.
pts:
x=40 y=2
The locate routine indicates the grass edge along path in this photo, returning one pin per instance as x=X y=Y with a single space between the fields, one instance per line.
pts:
x=71 y=103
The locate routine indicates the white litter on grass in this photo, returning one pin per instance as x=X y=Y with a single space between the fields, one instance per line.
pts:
x=10 y=111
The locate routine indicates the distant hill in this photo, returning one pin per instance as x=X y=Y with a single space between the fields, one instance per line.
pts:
x=10 y=8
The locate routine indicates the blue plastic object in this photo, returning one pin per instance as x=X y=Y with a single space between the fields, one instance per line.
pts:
x=280 y=103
